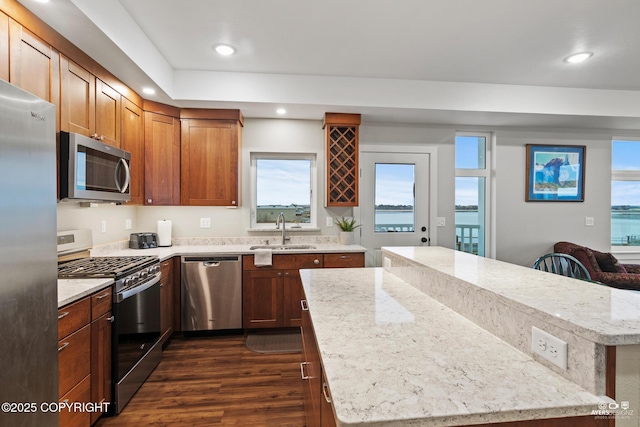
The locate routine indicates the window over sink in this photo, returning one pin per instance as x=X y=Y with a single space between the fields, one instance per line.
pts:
x=283 y=182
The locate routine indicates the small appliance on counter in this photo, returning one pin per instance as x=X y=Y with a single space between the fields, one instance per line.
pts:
x=164 y=232
x=143 y=240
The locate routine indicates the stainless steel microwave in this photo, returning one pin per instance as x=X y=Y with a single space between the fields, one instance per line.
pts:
x=91 y=170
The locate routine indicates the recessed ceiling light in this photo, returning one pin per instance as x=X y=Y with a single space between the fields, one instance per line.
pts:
x=578 y=57
x=281 y=111
x=224 y=49
x=149 y=91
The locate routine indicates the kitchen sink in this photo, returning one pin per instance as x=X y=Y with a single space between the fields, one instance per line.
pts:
x=282 y=247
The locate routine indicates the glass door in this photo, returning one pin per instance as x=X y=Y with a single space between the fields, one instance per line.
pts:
x=394 y=203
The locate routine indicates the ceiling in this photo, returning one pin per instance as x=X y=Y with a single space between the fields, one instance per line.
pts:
x=454 y=62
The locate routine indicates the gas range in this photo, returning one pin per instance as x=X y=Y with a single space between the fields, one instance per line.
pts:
x=127 y=271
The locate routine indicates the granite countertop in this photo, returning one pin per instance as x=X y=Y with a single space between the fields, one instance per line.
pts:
x=395 y=357
x=71 y=290
x=232 y=249
x=601 y=314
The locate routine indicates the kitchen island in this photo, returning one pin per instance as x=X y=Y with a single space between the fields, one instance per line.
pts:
x=393 y=355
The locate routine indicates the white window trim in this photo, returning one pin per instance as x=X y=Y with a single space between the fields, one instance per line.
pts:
x=624 y=175
x=486 y=173
x=253 y=176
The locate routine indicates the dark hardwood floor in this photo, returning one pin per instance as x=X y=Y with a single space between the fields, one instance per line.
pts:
x=216 y=381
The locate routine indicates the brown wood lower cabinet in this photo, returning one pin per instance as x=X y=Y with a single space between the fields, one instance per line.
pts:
x=317 y=403
x=271 y=295
x=84 y=356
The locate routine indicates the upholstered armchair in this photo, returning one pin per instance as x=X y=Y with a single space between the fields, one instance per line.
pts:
x=603 y=266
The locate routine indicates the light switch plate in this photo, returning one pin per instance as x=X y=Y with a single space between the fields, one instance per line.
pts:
x=441 y=221
x=589 y=221
x=205 y=222
x=103 y=226
x=127 y=224
x=329 y=221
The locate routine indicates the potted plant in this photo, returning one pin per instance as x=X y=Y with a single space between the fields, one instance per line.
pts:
x=347 y=225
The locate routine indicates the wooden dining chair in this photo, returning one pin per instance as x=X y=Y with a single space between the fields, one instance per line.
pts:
x=562 y=264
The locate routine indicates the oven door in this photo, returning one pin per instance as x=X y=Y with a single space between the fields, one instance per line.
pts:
x=137 y=325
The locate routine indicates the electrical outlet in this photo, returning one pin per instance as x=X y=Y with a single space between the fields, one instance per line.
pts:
x=589 y=221
x=551 y=348
x=329 y=221
x=127 y=224
x=441 y=221
x=103 y=226
x=205 y=222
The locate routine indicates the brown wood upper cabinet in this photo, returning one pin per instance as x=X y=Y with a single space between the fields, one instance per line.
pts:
x=34 y=65
x=4 y=47
x=210 y=157
x=161 y=157
x=341 y=137
x=88 y=105
x=132 y=140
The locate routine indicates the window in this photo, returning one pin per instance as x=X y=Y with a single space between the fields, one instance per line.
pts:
x=394 y=208
x=625 y=193
x=472 y=192
x=283 y=183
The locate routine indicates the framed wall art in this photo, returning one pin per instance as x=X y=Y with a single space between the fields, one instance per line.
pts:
x=555 y=173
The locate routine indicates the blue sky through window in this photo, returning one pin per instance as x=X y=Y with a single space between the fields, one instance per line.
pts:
x=283 y=182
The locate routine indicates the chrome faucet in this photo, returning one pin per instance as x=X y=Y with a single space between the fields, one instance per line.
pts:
x=284 y=226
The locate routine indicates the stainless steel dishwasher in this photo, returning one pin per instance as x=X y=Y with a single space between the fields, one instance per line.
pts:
x=211 y=292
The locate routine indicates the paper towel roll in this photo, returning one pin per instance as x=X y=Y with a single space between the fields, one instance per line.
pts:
x=164 y=232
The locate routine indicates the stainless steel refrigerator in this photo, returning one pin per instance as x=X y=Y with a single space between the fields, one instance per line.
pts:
x=28 y=261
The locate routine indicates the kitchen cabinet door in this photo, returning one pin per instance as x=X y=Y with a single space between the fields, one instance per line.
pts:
x=4 y=47
x=210 y=162
x=166 y=300
x=101 y=336
x=262 y=299
x=77 y=98
x=161 y=159
x=34 y=65
x=344 y=260
x=292 y=293
x=327 y=415
x=310 y=371
x=108 y=112
x=132 y=140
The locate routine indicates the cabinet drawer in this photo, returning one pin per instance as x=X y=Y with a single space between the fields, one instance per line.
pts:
x=80 y=393
x=73 y=316
x=74 y=355
x=296 y=262
x=101 y=303
x=342 y=260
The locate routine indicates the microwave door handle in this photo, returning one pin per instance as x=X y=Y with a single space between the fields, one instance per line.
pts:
x=127 y=179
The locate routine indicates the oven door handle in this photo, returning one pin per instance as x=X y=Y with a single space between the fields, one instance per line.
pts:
x=120 y=296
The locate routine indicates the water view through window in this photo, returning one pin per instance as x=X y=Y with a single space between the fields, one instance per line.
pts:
x=394 y=200
x=625 y=193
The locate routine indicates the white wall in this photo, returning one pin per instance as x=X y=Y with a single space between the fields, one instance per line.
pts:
x=524 y=230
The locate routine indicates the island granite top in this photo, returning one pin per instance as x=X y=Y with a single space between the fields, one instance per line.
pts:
x=395 y=357
x=599 y=313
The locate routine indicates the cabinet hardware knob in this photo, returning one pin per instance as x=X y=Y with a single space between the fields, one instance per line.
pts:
x=316 y=261
x=302 y=365
x=345 y=257
x=65 y=314
x=304 y=305
x=111 y=319
x=279 y=274
x=65 y=345
x=149 y=201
